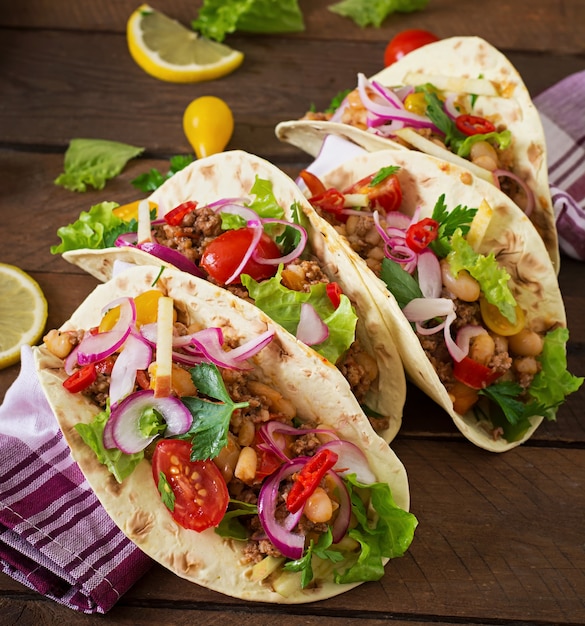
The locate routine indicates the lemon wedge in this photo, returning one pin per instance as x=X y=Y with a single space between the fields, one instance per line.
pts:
x=169 y=51
x=23 y=313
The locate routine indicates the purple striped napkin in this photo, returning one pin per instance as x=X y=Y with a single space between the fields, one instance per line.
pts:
x=54 y=535
x=562 y=111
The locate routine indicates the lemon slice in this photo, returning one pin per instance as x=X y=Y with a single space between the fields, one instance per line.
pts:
x=169 y=51
x=23 y=313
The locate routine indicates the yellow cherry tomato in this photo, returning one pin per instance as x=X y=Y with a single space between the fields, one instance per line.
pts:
x=146 y=311
x=499 y=324
x=208 y=124
x=416 y=103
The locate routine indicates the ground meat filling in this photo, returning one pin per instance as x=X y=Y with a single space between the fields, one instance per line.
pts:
x=201 y=226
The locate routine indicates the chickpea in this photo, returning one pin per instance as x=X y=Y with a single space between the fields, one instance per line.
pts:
x=525 y=365
x=462 y=286
x=246 y=466
x=318 y=507
x=247 y=433
x=182 y=383
x=59 y=343
x=274 y=398
x=482 y=348
x=227 y=458
x=373 y=237
x=525 y=343
x=351 y=225
x=484 y=155
x=376 y=254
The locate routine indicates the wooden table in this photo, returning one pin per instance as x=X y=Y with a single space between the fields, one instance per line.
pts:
x=501 y=538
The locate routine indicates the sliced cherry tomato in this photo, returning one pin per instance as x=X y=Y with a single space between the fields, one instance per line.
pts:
x=499 y=324
x=387 y=194
x=474 y=374
x=474 y=125
x=222 y=256
x=105 y=366
x=334 y=293
x=309 y=477
x=313 y=183
x=201 y=494
x=405 y=42
x=175 y=217
x=420 y=234
x=266 y=461
x=81 y=379
x=331 y=201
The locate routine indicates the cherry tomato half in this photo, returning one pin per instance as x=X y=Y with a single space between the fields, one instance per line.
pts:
x=222 y=256
x=405 y=42
x=201 y=494
x=175 y=216
x=474 y=374
x=387 y=194
x=497 y=323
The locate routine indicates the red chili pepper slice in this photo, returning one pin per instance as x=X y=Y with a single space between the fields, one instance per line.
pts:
x=314 y=183
x=175 y=217
x=334 y=293
x=309 y=477
x=332 y=201
x=420 y=234
x=474 y=125
x=474 y=374
x=81 y=379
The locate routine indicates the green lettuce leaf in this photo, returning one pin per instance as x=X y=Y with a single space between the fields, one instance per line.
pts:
x=121 y=465
x=492 y=279
x=93 y=162
x=366 y=12
x=554 y=382
x=95 y=229
x=390 y=535
x=283 y=305
x=217 y=18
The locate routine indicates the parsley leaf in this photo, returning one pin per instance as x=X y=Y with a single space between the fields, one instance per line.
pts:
x=211 y=420
x=505 y=395
x=383 y=174
x=449 y=221
x=400 y=283
x=230 y=527
x=320 y=549
x=337 y=100
x=436 y=113
x=166 y=493
x=153 y=179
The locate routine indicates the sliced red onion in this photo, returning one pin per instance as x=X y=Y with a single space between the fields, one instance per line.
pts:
x=71 y=361
x=343 y=515
x=251 y=348
x=429 y=274
x=396 y=219
x=124 y=422
x=293 y=254
x=172 y=256
x=101 y=345
x=449 y=106
x=244 y=212
x=291 y=544
x=258 y=229
x=270 y=428
x=218 y=204
x=311 y=329
x=393 y=98
x=466 y=333
x=530 y=200
x=351 y=460
x=136 y=355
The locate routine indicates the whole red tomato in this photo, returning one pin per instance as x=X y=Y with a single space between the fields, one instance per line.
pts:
x=405 y=42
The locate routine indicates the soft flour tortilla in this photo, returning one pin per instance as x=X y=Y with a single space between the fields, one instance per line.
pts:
x=510 y=235
x=461 y=57
x=317 y=388
x=231 y=175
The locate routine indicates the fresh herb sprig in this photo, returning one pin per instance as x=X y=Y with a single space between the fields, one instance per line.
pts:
x=153 y=179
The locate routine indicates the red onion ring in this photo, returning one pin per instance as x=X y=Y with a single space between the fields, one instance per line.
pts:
x=135 y=355
x=311 y=329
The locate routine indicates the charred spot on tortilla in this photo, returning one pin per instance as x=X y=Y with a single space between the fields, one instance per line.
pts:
x=139 y=525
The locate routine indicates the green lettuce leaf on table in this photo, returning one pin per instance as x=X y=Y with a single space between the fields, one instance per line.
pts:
x=218 y=18
x=366 y=12
x=93 y=162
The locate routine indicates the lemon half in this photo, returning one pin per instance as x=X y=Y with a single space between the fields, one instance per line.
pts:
x=169 y=51
x=23 y=313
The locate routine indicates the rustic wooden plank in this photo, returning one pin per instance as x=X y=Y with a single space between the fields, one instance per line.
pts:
x=545 y=26
x=115 y=99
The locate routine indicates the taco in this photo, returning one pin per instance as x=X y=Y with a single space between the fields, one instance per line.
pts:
x=220 y=445
x=235 y=219
x=458 y=99
x=462 y=275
